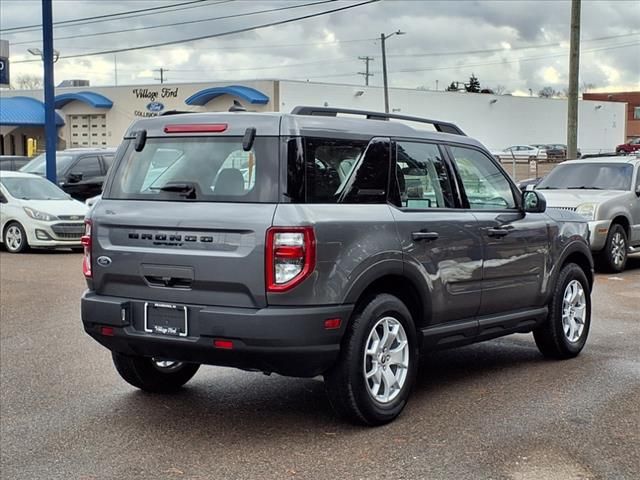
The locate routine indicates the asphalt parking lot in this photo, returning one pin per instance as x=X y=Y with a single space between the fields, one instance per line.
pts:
x=495 y=410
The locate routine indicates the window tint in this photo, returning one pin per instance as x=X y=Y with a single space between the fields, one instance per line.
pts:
x=88 y=167
x=203 y=169
x=368 y=179
x=422 y=177
x=485 y=185
x=328 y=163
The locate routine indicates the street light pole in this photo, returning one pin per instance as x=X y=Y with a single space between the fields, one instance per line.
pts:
x=383 y=39
x=50 y=132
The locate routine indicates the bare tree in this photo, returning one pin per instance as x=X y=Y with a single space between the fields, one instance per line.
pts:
x=586 y=87
x=28 y=82
x=548 y=92
x=499 y=89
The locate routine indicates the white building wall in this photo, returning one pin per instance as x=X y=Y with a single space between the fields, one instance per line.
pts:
x=496 y=120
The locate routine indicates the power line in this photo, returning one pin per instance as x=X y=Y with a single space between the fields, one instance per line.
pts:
x=161 y=71
x=175 y=24
x=215 y=35
x=475 y=65
x=128 y=14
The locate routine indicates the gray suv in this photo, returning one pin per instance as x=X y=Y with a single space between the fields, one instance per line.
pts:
x=319 y=243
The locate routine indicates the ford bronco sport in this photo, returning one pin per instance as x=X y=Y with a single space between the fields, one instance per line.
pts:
x=319 y=243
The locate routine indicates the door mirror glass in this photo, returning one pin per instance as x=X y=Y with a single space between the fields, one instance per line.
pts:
x=533 y=201
x=74 y=178
x=638 y=190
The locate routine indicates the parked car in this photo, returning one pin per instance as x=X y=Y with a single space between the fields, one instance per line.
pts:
x=606 y=191
x=80 y=171
x=522 y=153
x=13 y=162
x=630 y=147
x=528 y=183
x=555 y=151
x=314 y=244
x=36 y=213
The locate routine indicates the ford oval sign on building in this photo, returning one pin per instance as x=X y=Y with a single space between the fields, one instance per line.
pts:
x=155 y=107
x=4 y=62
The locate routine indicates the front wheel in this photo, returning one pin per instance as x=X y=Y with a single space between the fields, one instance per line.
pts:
x=372 y=380
x=614 y=256
x=565 y=332
x=15 y=238
x=154 y=375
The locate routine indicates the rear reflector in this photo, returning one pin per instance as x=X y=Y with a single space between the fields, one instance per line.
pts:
x=223 y=344
x=107 y=331
x=196 y=128
x=332 y=323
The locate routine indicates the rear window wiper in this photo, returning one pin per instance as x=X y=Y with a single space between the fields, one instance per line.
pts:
x=185 y=189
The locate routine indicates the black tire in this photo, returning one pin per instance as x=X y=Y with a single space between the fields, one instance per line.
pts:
x=24 y=243
x=346 y=386
x=608 y=260
x=550 y=337
x=143 y=373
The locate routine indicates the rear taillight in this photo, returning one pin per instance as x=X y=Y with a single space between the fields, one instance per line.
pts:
x=290 y=257
x=86 y=243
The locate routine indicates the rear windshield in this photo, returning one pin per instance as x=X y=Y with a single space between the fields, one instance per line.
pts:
x=588 y=176
x=198 y=169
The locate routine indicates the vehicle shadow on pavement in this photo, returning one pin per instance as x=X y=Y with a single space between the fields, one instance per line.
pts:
x=227 y=403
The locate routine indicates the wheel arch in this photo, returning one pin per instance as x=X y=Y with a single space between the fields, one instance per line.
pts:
x=624 y=221
x=400 y=283
x=580 y=254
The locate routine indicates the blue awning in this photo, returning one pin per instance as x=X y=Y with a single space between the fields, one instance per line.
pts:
x=91 y=98
x=249 y=94
x=23 y=112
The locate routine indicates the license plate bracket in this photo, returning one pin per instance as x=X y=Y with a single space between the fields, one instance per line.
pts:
x=166 y=319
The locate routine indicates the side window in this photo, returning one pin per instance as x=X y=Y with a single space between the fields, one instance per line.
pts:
x=328 y=165
x=88 y=167
x=422 y=177
x=484 y=183
x=367 y=180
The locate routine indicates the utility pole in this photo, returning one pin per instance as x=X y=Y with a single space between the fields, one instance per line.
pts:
x=574 y=72
x=162 y=71
x=383 y=39
x=366 y=72
x=115 y=68
x=50 y=130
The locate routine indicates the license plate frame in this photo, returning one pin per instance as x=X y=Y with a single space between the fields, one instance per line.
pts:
x=178 y=326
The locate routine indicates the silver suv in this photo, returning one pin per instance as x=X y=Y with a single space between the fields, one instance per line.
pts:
x=606 y=192
x=318 y=243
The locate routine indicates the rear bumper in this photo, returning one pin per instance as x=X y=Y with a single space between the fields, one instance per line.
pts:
x=286 y=340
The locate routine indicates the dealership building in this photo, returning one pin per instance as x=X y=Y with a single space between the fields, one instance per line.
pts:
x=99 y=116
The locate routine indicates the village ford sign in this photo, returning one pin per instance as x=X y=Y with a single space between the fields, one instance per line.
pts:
x=155 y=107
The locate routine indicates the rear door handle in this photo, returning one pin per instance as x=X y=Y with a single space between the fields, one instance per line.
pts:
x=425 y=236
x=497 y=232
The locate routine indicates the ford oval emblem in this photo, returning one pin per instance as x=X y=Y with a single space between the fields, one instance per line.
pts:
x=155 y=107
x=103 y=261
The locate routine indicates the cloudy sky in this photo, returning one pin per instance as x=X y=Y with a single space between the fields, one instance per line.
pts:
x=519 y=45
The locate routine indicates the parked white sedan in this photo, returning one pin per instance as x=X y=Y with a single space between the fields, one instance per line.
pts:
x=521 y=152
x=36 y=213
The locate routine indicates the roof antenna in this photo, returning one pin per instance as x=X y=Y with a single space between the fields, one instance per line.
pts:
x=237 y=107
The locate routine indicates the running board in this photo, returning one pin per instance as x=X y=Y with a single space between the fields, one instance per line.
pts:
x=633 y=250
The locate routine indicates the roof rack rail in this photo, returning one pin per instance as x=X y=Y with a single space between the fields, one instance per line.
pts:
x=444 y=127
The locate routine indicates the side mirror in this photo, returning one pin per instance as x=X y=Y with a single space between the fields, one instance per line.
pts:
x=3 y=199
x=74 y=178
x=638 y=191
x=533 y=201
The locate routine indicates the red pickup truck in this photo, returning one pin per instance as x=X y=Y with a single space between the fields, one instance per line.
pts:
x=630 y=147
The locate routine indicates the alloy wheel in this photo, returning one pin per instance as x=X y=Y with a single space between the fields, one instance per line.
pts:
x=618 y=249
x=574 y=311
x=386 y=360
x=13 y=238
